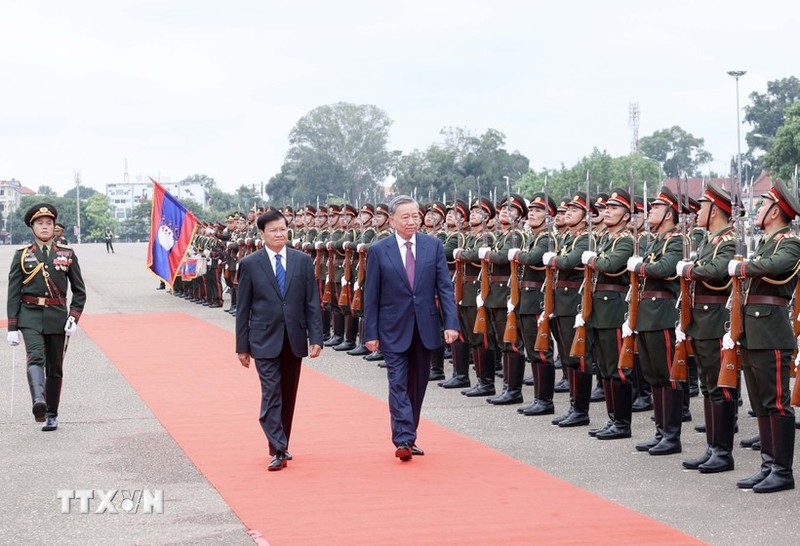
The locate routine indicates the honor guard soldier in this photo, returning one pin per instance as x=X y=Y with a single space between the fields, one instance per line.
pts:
x=711 y=288
x=509 y=236
x=59 y=235
x=608 y=312
x=567 y=299
x=481 y=211
x=768 y=340
x=344 y=269
x=655 y=324
x=40 y=275
x=561 y=230
x=643 y=397
x=366 y=234
x=380 y=223
x=435 y=213
x=531 y=302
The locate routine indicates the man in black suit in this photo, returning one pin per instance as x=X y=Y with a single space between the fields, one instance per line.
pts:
x=277 y=317
x=405 y=276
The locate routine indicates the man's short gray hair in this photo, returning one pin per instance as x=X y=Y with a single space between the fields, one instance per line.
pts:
x=395 y=203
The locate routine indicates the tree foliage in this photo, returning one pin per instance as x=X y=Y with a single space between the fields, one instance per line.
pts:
x=339 y=149
x=784 y=155
x=677 y=150
x=766 y=115
x=95 y=216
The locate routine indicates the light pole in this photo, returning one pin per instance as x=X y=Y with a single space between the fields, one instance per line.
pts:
x=737 y=74
x=78 y=202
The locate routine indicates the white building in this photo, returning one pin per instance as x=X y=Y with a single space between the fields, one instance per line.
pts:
x=125 y=196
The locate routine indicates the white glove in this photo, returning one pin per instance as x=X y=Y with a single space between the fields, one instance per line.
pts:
x=319 y=245
x=510 y=306
x=483 y=252
x=346 y=245
x=356 y=286
x=734 y=267
x=479 y=300
x=457 y=253
x=797 y=360
x=626 y=329
x=344 y=281
x=727 y=341
x=295 y=242
x=13 y=337
x=540 y=320
x=329 y=245
x=361 y=247
x=70 y=326
x=633 y=263
x=513 y=253
x=680 y=337
x=587 y=256
x=681 y=266
x=579 y=321
x=547 y=257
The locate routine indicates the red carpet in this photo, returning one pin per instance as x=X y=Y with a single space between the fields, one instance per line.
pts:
x=344 y=485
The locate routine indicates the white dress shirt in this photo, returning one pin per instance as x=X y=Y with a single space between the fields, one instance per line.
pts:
x=402 y=244
x=272 y=253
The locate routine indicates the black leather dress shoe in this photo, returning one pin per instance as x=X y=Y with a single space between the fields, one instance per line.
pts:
x=51 y=423
x=417 y=451
x=39 y=410
x=278 y=462
x=359 y=350
x=373 y=357
x=436 y=375
x=404 y=452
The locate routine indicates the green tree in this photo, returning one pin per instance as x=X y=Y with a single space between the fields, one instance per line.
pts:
x=784 y=156
x=96 y=215
x=86 y=193
x=339 y=148
x=766 y=115
x=137 y=226
x=46 y=191
x=677 y=150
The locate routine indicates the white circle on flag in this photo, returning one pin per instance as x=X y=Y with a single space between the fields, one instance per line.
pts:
x=166 y=237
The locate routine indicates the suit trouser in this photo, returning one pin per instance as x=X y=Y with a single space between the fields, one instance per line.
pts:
x=45 y=350
x=656 y=350
x=408 y=373
x=708 y=354
x=279 y=379
x=766 y=374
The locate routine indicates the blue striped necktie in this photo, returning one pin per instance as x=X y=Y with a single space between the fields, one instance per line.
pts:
x=280 y=274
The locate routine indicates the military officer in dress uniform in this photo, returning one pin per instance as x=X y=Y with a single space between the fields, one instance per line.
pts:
x=656 y=321
x=41 y=273
x=711 y=288
x=768 y=339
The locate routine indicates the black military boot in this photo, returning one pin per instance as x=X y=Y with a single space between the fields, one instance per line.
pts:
x=563 y=383
x=502 y=373
x=374 y=356
x=484 y=367
x=437 y=365
x=658 y=413
x=546 y=378
x=608 y=396
x=350 y=331
x=780 y=477
x=693 y=380
x=516 y=370
x=360 y=349
x=36 y=384
x=52 y=393
x=673 y=408
x=338 y=331
x=326 y=325
x=599 y=392
x=460 y=379
x=530 y=380
x=622 y=393
x=537 y=382
x=644 y=393
x=582 y=393
x=686 y=415
x=693 y=464
x=765 y=433
x=570 y=375
x=723 y=419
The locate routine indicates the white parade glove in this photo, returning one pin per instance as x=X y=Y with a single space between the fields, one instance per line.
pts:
x=457 y=253
x=346 y=245
x=295 y=242
x=70 y=326
x=540 y=320
x=587 y=256
x=513 y=253
x=356 y=286
x=633 y=263
x=734 y=267
x=344 y=281
x=206 y=253
x=479 y=300
x=579 y=321
x=727 y=341
x=360 y=247
x=319 y=245
x=797 y=361
x=13 y=338
x=547 y=257
x=509 y=306
x=680 y=337
x=483 y=252
x=329 y=245
x=681 y=266
x=626 y=329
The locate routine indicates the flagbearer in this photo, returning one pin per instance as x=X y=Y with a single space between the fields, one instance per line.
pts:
x=40 y=275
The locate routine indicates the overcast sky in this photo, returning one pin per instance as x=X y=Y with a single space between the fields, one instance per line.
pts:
x=195 y=86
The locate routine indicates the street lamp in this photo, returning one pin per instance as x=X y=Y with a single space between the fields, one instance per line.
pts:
x=737 y=74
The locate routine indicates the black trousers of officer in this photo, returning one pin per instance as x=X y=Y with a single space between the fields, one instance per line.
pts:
x=45 y=350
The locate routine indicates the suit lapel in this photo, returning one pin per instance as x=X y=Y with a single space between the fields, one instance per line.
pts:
x=291 y=264
x=422 y=248
x=393 y=252
x=267 y=267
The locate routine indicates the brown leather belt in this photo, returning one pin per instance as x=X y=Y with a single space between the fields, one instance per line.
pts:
x=658 y=294
x=43 y=302
x=497 y=278
x=530 y=284
x=610 y=287
x=768 y=300
x=470 y=278
x=569 y=284
x=711 y=299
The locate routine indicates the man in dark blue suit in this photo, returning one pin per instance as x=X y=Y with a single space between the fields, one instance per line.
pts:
x=406 y=274
x=278 y=316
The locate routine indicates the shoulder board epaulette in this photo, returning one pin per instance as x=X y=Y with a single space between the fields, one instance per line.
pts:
x=623 y=233
x=63 y=246
x=23 y=247
x=722 y=239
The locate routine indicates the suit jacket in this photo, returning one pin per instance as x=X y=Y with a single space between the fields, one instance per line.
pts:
x=392 y=304
x=262 y=315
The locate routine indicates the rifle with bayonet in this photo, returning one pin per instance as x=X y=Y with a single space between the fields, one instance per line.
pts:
x=510 y=333
x=578 y=348
x=543 y=333
x=627 y=353
x=680 y=369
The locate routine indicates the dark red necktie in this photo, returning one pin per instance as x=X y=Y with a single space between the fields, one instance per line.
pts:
x=410 y=265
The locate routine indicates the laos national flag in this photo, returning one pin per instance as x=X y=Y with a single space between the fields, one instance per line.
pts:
x=171 y=230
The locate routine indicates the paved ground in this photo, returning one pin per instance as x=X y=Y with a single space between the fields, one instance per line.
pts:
x=110 y=440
